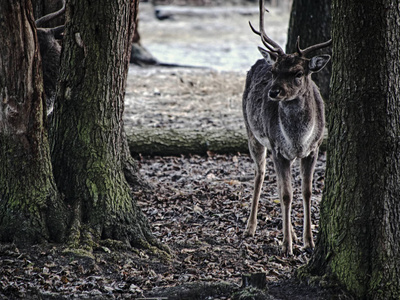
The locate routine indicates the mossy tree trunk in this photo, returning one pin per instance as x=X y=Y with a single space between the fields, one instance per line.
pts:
x=311 y=20
x=31 y=209
x=90 y=155
x=359 y=231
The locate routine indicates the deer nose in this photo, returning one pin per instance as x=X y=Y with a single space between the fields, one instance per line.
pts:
x=274 y=93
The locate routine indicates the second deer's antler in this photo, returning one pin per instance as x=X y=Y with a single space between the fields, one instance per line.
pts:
x=41 y=21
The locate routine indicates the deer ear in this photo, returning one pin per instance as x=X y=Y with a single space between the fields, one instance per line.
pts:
x=317 y=63
x=269 y=56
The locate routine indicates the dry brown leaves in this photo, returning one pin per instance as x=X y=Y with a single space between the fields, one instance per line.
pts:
x=200 y=208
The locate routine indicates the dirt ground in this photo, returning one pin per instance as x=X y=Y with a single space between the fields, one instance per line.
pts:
x=200 y=205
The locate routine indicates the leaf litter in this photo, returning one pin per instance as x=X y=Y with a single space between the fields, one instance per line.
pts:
x=199 y=208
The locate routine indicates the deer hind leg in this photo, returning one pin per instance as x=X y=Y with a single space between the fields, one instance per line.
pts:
x=257 y=152
x=282 y=167
x=307 y=169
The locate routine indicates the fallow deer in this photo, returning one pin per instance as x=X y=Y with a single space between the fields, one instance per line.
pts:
x=50 y=51
x=284 y=112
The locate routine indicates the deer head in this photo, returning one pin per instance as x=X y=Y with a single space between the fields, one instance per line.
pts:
x=291 y=73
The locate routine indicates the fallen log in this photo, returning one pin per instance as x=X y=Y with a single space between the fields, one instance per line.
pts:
x=176 y=142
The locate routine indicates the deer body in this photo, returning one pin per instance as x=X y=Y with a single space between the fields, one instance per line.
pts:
x=291 y=128
x=284 y=111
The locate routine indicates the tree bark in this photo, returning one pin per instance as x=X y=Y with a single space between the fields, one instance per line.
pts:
x=359 y=231
x=30 y=205
x=311 y=20
x=90 y=154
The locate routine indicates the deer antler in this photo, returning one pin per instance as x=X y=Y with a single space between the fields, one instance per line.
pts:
x=304 y=52
x=46 y=18
x=269 y=43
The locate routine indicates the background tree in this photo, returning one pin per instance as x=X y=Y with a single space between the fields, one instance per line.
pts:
x=311 y=20
x=30 y=205
x=359 y=228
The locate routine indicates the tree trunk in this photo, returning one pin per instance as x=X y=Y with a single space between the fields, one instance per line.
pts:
x=30 y=205
x=358 y=242
x=90 y=154
x=311 y=20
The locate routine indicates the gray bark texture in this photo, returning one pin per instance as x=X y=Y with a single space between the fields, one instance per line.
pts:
x=29 y=201
x=92 y=164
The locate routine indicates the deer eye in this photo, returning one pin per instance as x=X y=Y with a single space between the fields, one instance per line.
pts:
x=299 y=74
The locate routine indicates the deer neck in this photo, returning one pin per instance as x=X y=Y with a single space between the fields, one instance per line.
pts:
x=300 y=107
x=297 y=124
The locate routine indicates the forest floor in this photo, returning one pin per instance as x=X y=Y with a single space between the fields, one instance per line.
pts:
x=198 y=208
x=199 y=205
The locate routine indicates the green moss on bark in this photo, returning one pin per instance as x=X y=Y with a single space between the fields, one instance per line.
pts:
x=89 y=150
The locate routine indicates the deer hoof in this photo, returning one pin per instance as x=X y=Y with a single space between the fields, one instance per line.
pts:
x=250 y=230
x=287 y=249
x=308 y=246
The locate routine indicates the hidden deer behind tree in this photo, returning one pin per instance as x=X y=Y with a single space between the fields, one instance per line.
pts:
x=50 y=51
x=284 y=112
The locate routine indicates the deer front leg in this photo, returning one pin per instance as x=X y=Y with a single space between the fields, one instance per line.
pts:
x=307 y=169
x=257 y=152
x=282 y=167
